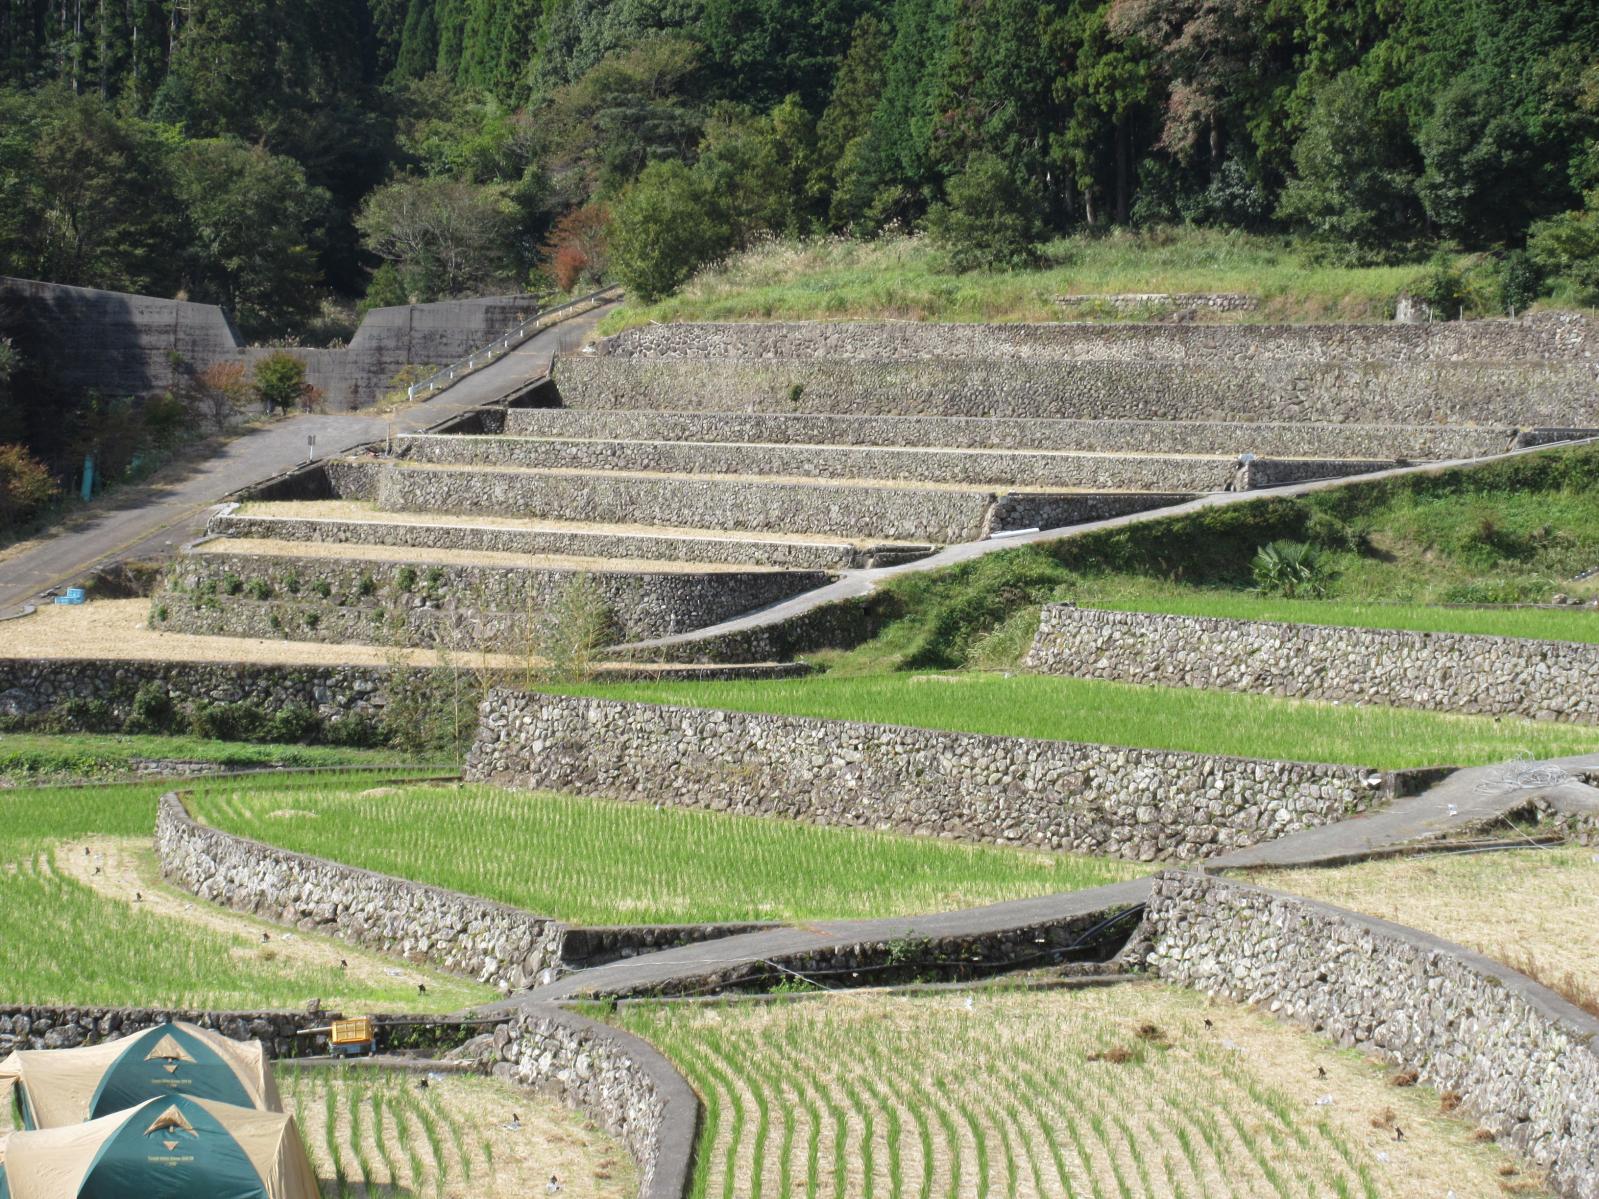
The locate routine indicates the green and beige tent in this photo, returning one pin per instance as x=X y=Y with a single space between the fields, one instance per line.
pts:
x=176 y=1147
x=57 y=1087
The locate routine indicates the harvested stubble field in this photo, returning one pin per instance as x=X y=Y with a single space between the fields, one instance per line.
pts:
x=1139 y=1090
x=84 y=920
x=1535 y=909
x=1024 y=705
x=604 y=862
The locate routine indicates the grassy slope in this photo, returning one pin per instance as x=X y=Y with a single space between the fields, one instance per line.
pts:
x=66 y=943
x=618 y=863
x=1517 y=531
x=1115 y=713
x=907 y=278
x=103 y=755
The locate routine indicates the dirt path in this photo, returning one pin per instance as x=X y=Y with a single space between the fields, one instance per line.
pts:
x=121 y=869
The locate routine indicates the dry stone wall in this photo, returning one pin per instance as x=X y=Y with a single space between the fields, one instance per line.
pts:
x=487 y=941
x=32 y=1027
x=921 y=464
x=326 y=599
x=1455 y=672
x=1368 y=392
x=1132 y=803
x=1229 y=438
x=1524 y=1061
x=1561 y=336
x=618 y=1079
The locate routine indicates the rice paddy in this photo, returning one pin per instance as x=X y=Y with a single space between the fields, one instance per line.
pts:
x=1023 y=705
x=71 y=936
x=1536 y=910
x=1139 y=1090
x=605 y=862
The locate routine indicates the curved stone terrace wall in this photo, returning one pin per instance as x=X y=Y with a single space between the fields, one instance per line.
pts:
x=1140 y=804
x=1532 y=392
x=1523 y=1060
x=620 y=1080
x=1456 y=672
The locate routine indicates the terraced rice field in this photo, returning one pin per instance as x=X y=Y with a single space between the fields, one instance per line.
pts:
x=82 y=924
x=1535 y=909
x=605 y=862
x=1139 y=1090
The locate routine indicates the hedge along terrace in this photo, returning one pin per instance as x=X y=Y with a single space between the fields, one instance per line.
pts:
x=603 y=862
x=72 y=936
x=1515 y=531
x=1054 y=709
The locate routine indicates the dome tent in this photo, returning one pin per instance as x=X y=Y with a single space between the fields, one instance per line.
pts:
x=58 y=1087
x=176 y=1147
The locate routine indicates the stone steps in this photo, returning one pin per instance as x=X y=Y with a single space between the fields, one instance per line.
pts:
x=992 y=470
x=661 y=544
x=1215 y=438
x=940 y=514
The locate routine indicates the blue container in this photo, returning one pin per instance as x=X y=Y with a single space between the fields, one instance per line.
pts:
x=74 y=595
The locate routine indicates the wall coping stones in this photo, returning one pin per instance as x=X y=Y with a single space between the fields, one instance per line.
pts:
x=1524 y=1060
x=1461 y=672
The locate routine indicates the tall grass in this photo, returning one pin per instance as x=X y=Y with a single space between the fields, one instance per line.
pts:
x=607 y=862
x=104 y=755
x=907 y=277
x=1119 y=714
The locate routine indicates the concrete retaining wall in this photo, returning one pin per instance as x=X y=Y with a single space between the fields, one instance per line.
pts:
x=1524 y=1061
x=1376 y=392
x=132 y=345
x=487 y=941
x=1454 y=672
x=926 y=464
x=240 y=594
x=1228 y=439
x=1133 y=803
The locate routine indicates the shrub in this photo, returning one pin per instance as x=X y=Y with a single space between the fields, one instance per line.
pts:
x=228 y=722
x=573 y=629
x=666 y=226
x=1442 y=287
x=232 y=584
x=80 y=716
x=259 y=589
x=25 y=486
x=1566 y=249
x=152 y=712
x=1520 y=282
x=578 y=246
x=322 y=588
x=988 y=220
x=405 y=578
x=1290 y=569
x=353 y=732
x=367 y=586
x=281 y=386
x=293 y=724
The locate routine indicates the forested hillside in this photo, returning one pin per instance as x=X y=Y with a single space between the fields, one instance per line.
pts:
x=265 y=153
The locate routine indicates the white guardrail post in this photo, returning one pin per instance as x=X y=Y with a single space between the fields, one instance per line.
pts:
x=446 y=376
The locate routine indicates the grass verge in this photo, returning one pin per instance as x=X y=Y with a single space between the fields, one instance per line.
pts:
x=1251 y=726
x=908 y=278
x=1136 y=1090
x=34 y=756
x=604 y=862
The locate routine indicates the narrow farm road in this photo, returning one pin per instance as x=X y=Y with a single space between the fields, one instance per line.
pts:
x=153 y=520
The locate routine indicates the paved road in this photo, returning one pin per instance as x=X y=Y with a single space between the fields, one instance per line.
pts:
x=153 y=521
x=1465 y=800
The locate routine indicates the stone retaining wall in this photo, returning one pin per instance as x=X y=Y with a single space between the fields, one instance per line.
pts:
x=32 y=1027
x=1134 y=803
x=899 y=513
x=490 y=942
x=1160 y=302
x=749 y=551
x=1296 y=440
x=1456 y=672
x=1524 y=1061
x=227 y=594
x=620 y=1080
x=922 y=464
x=1378 y=392
x=1563 y=336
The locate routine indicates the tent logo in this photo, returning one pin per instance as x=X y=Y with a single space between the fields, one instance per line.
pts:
x=171 y=1122
x=169 y=1053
